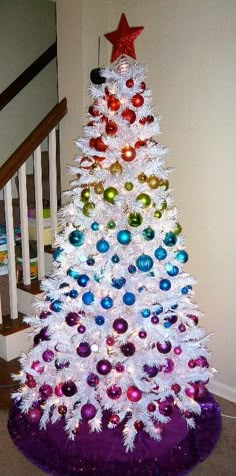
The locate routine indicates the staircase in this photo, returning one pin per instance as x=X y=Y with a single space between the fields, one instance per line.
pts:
x=35 y=192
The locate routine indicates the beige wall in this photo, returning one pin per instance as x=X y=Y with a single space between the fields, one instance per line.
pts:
x=189 y=47
x=27 y=29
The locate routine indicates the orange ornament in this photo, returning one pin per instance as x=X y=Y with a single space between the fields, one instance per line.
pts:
x=128 y=153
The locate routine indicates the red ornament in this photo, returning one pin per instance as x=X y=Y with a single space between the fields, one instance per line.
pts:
x=139 y=143
x=134 y=394
x=113 y=103
x=165 y=408
x=128 y=153
x=93 y=111
x=30 y=383
x=98 y=159
x=129 y=83
x=104 y=118
x=62 y=409
x=92 y=142
x=191 y=364
x=99 y=145
x=137 y=100
x=175 y=387
x=86 y=163
x=138 y=425
x=114 y=392
x=129 y=115
x=123 y=39
x=151 y=407
x=149 y=119
x=111 y=128
x=114 y=419
x=142 y=86
x=90 y=123
x=110 y=341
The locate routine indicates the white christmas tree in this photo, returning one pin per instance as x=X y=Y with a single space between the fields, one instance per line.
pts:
x=117 y=328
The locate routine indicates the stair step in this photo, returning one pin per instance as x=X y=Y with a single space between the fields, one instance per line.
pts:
x=32 y=288
x=13 y=337
x=11 y=326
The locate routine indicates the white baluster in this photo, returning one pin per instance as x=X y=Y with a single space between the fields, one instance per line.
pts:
x=0 y=310
x=39 y=211
x=53 y=181
x=24 y=224
x=11 y=250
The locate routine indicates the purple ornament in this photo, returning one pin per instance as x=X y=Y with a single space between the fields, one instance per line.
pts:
x=192 y=391
x=155 y=319
x=152 y=371
x=201 y=361
x=165 y=408
x=177 y=350
x=45 y=391
x=62 y=364
x=114 y=392
x=44 y=333
x=182 y=328
x=93 y=380
x=33 y=415
x=202 y=391
x=142 y=334
x=37 y=366
x=83 y=350
x=69 y=389
x=58 y=390
x=44 y=314
x=81 y=329
x=120 y=325
x=37 y=339
x=128 y=349
x=103 y=367
x=169 y=366
x=191 y=364
x=120 y=367
x=88 y=411
x=48 y=355
x=72 y=319
x=164 y=348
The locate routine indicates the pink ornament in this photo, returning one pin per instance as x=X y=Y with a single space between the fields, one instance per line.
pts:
x=33 y=415
x=114 y=392
x=177 y=350
x=58 y=390
x=45 y=391
x=176 y=387
x=110 y=341
x=142 y=334
x=31 y=383
x=191 y=364
x=120 y=367
x=165 y=408
x=151 y=407
x=37 y=366
x=155 y=320
x=164 y=347
x=134 y=394
x=48 y=355
x=182 y=328
x=192 y=391
x=114 y=419
x=169 y=366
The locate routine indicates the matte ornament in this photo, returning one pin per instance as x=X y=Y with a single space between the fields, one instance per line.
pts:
x=87 y=209
x=120 y=325
x=144 y=263
x=107 y=302
x=83 y=280
x=182 y=256
x=110 y=194
x=114 y=392
x=160 y=253
x=123 y=39
x=88 y=411
x=83 y=350
x=33 y=415
x=137 y=100
x=144 y=199
x=102 y=246
x=148 y=233
x=88 y=298
x=129 y=115
x=76 y=238
x=164 y=348
x=96 y=77
x=124 y=237
x=113 y=103
x=129 y=299
x=134 y=394
x=72 y=319
x=104 y=367
x=69 y=389
x=170 y=239
x=128 y=153
x=165 y=284
x=111 y=128
x=135 y=219
x=128 y=349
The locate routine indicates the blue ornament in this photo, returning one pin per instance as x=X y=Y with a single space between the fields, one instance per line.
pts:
x=148 y=233
x=170 y=239
x=182 y=256
x=167 y=324
x=159 y=310
x=83 y=280
x=124 y=237
x=165 y=284
x=99 y=320
x=56 y=306
x=90 y=261
x=145 y=312
x=132 y=269
x=76 y=238
x=115 y=259
x=73 y=294
x=107 y=302
x=102 y=246
x=160 y=253
x=88 y=298
x=144 y=263
x=73 y=273
x=63 y=285
x=186 y=289
x=57 y=253
x=129 y=299
x=95 y=226
x=171 y=270
x=118 y=283
x=174 y=306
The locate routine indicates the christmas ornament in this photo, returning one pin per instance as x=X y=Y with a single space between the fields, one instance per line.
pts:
x=88 y=298
x=118 y=283
x=110 y=341
x=135 y=219
x=93 y=380
x=111 y=225
x=73 y=294
x=124 y=237
x=107 y=302
x=160 y=253
x=153 y=182
x=132 y=269
x=114 y=419
x=128 y=186
x=88 y=411
x=110 y=194
x=152 y=371
x=69 y=389
x=45 y=391
x=37 y=367
x=157 y=214
x=171 y=270
x=128 y=153
x=148 y=233
x=99 y=320
x=182 y=256
x=62 y=364
x=145 y=313
x=128 y=349
x=83 y=350
x=177 y=229
x=134 y=394
x=137 y=100
x=31 y=383
x=81 y=329
x=98 y=189
x=58 y=390
x=138 y=425
x=99 y=144
x=114 y=392
x=90 y=261
x=129 y=83
x=72 y=319
x=33 y=415
x=83 y=280
x=94 y=111
x=76 y=238
x=115 y=259
x=111 y=128
x=129 y=115
x=113 y=103
x=120 y=367
x=120 y=325
x=62 y=409
x=138 y=145
x=57 y=254
x=44 y=314
x=102 y=246
x=129 y=299
x=73 y=274
x=141 y=177
x=116 y=168
x=56 y=306
x=164 y=347
x=165 y=284
x=85 y=194
x=104 y=367
x=144 y=263
x=165 y=408
x=144 y=199
x=87 y=209
x=170 y=239
x=192 y=391
x=169 y=366
x=123 y=39
x=151 y=407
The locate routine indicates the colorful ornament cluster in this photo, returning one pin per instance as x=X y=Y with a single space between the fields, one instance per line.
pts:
x=117 y=328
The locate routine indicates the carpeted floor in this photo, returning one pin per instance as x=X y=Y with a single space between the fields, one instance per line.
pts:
x=222 y=461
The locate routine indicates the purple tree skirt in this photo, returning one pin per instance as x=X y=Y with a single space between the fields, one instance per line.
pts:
x=103 y=454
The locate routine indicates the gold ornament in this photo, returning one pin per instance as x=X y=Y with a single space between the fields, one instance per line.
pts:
x=99 y=189
x=153 y=182
x=85 y=194
x=142 y=178
x=129 y=186
x=116 y=168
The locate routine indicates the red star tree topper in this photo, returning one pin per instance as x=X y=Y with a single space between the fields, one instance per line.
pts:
x=123 y=39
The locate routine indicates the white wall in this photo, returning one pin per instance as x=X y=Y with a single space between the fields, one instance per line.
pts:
x=27 y=29
x=189 y=47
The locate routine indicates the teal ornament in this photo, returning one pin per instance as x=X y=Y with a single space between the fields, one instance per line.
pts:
x=95 y=226
x=124 y=237
x=165 y=284
x=73 y=294
x=99 y=320
x=56 y=306
x=174 y=306
x=159 y=310
x=129 y=299
x=73 y=273
x=132 y=269
x=148 y=233
x=115 y=259
x=83 y=280
x=171 y=270
x=107 y=302
x=167 y=324
x=170 y=239
x=90 y=261
x=186 y=289
x=118 y=283
x=57 y=253
x=63 y=285
x=160 y=253
x=88 y=298
x=144 y=263
x=145 y=313
x=102 y=246
x=182 y=256
x=76 y=238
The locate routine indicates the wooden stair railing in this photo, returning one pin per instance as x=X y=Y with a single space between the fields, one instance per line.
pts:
x=17 y=164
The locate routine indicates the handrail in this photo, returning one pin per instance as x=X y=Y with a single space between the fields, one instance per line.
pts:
x=34 y=139
x=16 y=86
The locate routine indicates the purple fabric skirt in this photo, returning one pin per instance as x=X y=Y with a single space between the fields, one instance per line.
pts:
x=103 y=454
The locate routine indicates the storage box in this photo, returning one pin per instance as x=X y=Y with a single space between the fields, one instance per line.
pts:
x=47 y=230
x=32 y=213
x=33 y=269
x=3 y=248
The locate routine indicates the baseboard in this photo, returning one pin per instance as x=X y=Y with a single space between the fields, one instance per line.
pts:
x=222 y=390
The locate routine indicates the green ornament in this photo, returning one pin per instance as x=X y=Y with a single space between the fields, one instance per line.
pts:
x=85 y=194
x=145 y=199
x=157 y=214
x=110 y=194
x=165 y=184
x=111 y=225
x=163 y=206
x=178 y=228
x=87 y=208
x=129 y=186
x=135 y=219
